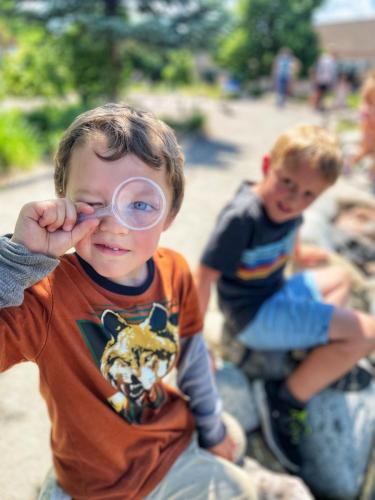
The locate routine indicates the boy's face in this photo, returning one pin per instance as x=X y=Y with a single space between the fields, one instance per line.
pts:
x=370 y=98
x=286 y=192
x=114 y=251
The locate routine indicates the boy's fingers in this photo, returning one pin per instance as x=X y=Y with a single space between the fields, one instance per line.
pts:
x=70 y=215
x=83 y=208
x=83 y=229
x=51 y=214
x=60 y=214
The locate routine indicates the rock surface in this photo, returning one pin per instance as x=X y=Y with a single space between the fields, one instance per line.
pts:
x=338 y=449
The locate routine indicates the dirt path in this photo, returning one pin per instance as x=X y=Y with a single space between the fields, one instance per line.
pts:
x=238 y=134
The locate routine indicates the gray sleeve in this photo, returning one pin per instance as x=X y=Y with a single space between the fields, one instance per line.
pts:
x=196 y=380
x=19 y=269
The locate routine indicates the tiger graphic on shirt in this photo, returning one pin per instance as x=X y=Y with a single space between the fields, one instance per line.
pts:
x=136 y=358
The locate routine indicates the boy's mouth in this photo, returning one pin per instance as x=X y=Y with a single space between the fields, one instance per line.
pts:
x=111 y=249
x=283 y=208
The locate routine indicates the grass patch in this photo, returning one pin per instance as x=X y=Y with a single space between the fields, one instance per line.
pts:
x=354 y=101
x=19 y=143
x=346 y=125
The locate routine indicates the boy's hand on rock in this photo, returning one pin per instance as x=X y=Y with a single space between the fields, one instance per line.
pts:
x=50 y=227
x=310 y=256
x=225 y=449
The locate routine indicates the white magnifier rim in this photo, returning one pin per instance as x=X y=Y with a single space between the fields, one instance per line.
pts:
x=115 y=210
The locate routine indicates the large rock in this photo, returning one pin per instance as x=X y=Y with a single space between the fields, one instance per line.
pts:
x=337 y=449
x=275 y=486
x=237 y=396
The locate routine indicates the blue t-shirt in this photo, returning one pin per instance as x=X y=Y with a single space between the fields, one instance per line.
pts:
x=250 y=251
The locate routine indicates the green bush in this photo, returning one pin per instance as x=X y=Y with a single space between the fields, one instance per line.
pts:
x=354 y=101
x=188 y=123
x=19 y=146
x=35 y=67
x=179 y=69
x=50 y=122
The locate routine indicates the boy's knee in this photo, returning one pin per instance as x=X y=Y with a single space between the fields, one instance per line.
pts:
x=358 y=347
x=344 y=276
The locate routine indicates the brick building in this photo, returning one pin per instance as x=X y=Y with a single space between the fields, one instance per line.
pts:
x=351 y=41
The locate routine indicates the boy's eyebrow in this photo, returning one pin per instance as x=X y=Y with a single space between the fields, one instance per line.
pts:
x=84 y=191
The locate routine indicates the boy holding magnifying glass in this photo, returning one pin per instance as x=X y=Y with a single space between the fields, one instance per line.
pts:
x=108 y=323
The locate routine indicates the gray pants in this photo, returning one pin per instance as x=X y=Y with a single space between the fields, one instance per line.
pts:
x=201 y=475
x=196 y=474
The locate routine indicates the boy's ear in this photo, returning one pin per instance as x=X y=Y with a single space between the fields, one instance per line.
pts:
x=265 y=164
x=168 y=221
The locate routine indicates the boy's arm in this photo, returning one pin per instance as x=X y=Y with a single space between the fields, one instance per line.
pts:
x=308 y=256
x=20 y=269
x=196 y=380
x=23 y=329
x=204 y=278
x=44 y=231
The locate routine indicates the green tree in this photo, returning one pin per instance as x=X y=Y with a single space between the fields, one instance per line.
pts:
x=93 y=34
x=262 y=28
x=180 y=68
x=33 y=69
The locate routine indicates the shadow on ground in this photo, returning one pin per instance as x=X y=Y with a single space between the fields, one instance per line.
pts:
x=200 y=150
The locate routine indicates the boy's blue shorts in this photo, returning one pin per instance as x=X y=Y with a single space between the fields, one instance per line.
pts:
x=293 y=318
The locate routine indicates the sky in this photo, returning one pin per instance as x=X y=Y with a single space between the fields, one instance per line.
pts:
x=345 y=10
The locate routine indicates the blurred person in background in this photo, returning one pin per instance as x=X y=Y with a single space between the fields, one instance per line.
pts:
x=324 y=78
x=284 y=71
x=367 y=125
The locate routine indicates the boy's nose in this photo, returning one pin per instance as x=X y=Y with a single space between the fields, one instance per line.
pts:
x=294 y=199
x=110 y=224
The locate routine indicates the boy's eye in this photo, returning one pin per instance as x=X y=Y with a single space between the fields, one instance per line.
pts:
x=309 y=194
x=141 y=205
x=286 y=181
x=96 y=204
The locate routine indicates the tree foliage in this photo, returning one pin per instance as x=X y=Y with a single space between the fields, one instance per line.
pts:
x=95 y=35
x=262 y=28
x=33 y=69
x=179 y=69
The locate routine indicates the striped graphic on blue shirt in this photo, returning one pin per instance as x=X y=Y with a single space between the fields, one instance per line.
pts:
x=262 y=261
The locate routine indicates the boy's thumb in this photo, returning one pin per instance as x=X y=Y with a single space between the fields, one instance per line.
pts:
x=83 y=229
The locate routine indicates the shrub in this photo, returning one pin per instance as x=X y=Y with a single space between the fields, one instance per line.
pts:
x=50 y=122
x=194 y=122
x=19 y=146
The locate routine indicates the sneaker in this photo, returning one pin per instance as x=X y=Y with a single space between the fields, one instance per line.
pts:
x=358 y=379
x=282 y=424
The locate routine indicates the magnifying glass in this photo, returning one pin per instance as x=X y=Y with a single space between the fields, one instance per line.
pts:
x=138 y=203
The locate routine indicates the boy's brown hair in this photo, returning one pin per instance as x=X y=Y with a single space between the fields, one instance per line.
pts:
x=309 y=144
x=128 y=131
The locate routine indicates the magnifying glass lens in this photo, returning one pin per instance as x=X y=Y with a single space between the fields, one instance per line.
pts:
x=139 y=204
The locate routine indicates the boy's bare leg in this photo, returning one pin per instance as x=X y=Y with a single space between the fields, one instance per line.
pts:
x=352 y=336
x=334 y=283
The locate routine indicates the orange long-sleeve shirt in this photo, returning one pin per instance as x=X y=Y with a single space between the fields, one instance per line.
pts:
x=103 y=351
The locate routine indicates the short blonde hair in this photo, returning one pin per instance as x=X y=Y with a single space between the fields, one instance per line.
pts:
x=127 y=131
x=308 y=144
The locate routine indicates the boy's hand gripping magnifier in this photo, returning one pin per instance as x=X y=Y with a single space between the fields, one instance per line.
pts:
x=138 y=203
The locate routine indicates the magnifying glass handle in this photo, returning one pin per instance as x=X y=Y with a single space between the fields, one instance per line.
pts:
x=100 y=212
